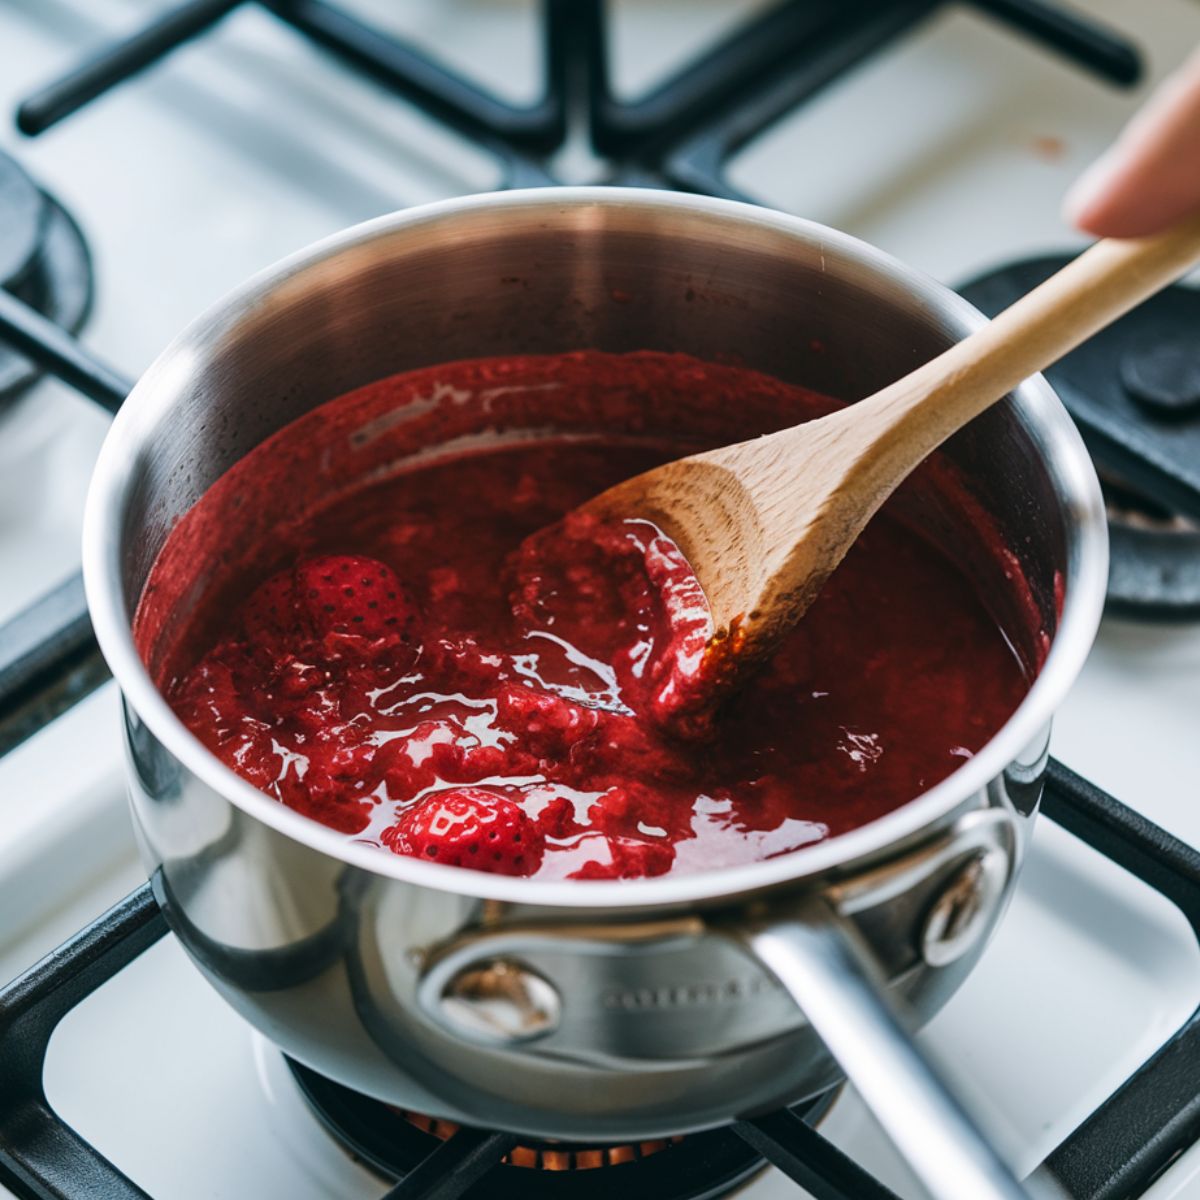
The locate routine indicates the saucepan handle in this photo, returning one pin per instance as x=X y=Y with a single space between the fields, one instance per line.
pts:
x=815 y=958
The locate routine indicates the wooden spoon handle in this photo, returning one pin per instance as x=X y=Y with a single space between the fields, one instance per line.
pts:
x=917 y=413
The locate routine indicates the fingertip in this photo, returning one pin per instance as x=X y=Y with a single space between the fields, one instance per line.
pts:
x=1106 y=202
x=1113 y=216
x=1088 y=198
x=1102 y=222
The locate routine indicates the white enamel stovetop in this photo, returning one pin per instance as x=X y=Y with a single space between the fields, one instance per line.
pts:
x=952 y=151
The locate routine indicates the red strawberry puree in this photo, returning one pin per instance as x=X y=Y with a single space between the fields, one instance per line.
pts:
x=396 y=661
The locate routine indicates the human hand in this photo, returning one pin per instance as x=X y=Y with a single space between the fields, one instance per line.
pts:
x=1150 y=178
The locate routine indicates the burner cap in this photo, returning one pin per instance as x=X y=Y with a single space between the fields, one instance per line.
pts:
x=700 y=1166
x=1134 y=390
x=1164 y=377
x=44 y=261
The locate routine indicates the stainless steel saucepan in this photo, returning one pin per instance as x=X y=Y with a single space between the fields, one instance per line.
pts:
x=622 y=1010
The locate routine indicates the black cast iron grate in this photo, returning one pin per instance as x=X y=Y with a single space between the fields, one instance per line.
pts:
x=681 y=132
x=44 y=263
x=1115 y=1154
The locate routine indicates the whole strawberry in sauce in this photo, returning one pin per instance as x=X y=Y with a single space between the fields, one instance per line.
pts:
x=469 y=827
x=328 y=600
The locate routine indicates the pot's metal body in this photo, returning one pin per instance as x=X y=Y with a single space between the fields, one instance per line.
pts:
x=621 y=1010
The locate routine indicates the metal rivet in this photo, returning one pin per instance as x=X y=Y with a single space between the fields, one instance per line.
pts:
x=962 y=913
x=501 y=1001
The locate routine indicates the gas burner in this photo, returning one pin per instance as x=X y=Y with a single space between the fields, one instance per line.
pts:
x=44 y=261
x=700 y=1166
x=539 y=1155
x=1134 y=391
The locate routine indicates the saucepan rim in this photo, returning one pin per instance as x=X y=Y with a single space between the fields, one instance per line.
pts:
x=1039 y=409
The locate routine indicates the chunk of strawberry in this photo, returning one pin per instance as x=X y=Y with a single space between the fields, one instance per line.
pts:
x=251 y=753
x=406 y=763
x=348 y=766
x=548 y=725
x=631 y=859
x=221 y=711
x=469 y=827
x=350 y=594
x=559 y=819
x=624 y=808
x=326 y=800
x=209 y=701
x=466 y=761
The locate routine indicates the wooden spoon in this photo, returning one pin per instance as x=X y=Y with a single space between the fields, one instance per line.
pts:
x=763 y=523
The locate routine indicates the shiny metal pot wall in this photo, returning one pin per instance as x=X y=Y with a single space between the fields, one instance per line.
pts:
x=628 y=1009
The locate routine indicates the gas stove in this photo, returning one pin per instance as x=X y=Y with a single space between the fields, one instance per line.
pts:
x=195 y=144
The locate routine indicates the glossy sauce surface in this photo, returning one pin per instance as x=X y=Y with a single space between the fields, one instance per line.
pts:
x=418 y=676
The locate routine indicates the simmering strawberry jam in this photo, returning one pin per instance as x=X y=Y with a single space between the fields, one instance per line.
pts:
x=396 y=660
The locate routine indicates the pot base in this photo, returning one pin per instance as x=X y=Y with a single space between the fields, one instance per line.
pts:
x=700 y=1166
